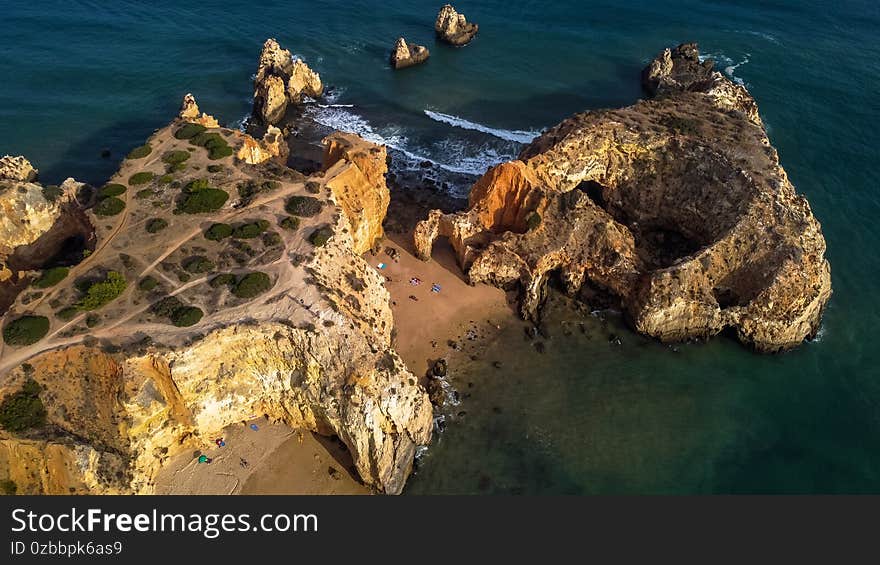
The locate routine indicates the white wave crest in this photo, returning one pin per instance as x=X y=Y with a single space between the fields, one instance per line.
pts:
x=517 y=136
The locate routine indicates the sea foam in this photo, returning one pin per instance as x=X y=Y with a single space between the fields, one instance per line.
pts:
x=517 y=136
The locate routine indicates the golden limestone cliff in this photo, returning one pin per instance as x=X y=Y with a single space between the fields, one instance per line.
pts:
x=677 y=206
x=243 y=294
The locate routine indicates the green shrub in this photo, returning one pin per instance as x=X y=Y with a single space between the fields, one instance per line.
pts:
x=103 y=292
x=26 y=330
x=93 y=320
x=188 y=131
x=196 y=185
x=249 y=188
x=533 y=221
x=165 y=179
x=166 y=307
x=23 y=410
x=186 y=316
x=142 y=177
x=156 y=225
x=321 y=236
x=145 y=193
x=67 y=314
x=175 y=168
x=140 y=152
x=148 y=283
x=215 y=168
x=198 y=264
x=109 y=207
x=290 y=223
x=218 y=231
x=271 y=239
x=175 y=157
x=313 y=187
x=215 y=153
x=183 y=276
x=225 y=279
x=252 y=284
x=52 y=192
x=206 y=200
x=51 y=277
x=113 y=189
x=8 y=487
x=303 y=206
x=250 y=230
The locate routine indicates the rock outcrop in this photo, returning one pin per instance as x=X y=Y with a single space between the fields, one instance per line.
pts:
x=357 y=182
x=408 y=54
x=453 y=28
x=677 y=206
x=282 y=80
x=273 y=145
x=17 y=169
x=313 y=348
x=189 y=112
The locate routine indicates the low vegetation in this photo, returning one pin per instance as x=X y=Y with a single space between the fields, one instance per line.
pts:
x=100 y=293
x=110 y=206
x=290 y=223
x=176 y=312
x=148 y=283
x=156 y=225
x=23 y=410
x=215 y=144
x=218 y=232
x=145 y=193
x=175 y=157
x=250 y=230
x=321 y=236
x=533 y=221
x=52 y=192
x=198 y=265
x=140 y=152
x=250 y=188
x=142 y=177
x=225 y=279
x=112 y=189
x=26 y=330
x=303 y=206
x=51 y=277
x=201 y=200
x=189 y=131
x=251 y=285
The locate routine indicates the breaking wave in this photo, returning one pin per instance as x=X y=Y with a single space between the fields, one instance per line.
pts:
x=517 y=136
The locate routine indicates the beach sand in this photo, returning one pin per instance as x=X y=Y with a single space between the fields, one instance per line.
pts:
x=281 y=460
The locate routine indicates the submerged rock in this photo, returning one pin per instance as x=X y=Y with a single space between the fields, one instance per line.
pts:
x=676 y=205
x=408 y=54
x=453 y=28
x=282 y=80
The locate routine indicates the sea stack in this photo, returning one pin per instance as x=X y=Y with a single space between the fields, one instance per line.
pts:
x=281 y=80
x=408 y=54
x=677 y=206
x=453 y=28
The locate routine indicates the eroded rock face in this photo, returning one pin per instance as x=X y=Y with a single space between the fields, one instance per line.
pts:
x=676 y=205
x=358 y=185
x=408 y=54
x=272 y=145
x=453 y=28
x=189 y=112
x=282 y=80
x=17 y=169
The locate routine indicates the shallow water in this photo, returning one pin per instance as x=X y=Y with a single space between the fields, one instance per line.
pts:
x=79 y=77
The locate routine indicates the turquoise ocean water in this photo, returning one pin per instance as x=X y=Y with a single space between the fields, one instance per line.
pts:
x=587 y=416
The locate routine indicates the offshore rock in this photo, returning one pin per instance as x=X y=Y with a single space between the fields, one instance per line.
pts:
x=453 y=28
x=677 y=206
x=282 y=80
x=408 y=54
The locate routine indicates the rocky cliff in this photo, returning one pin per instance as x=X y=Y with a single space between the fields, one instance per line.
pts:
x=282 y=318
x=281 y=80
x=677 y=206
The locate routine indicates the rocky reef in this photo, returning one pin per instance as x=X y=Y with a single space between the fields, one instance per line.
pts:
x=282 y=80
x=231 y=287
x=408 y=54
x=677 y=206
x=453 y=28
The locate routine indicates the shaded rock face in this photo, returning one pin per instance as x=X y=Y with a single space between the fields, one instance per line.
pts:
x=281 y=80
x=358 y=185
x=676 y=205
x=189 y=112
x=453 y=28
x=408 y=54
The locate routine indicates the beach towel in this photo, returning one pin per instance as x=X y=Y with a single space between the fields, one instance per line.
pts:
x=435 y=287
